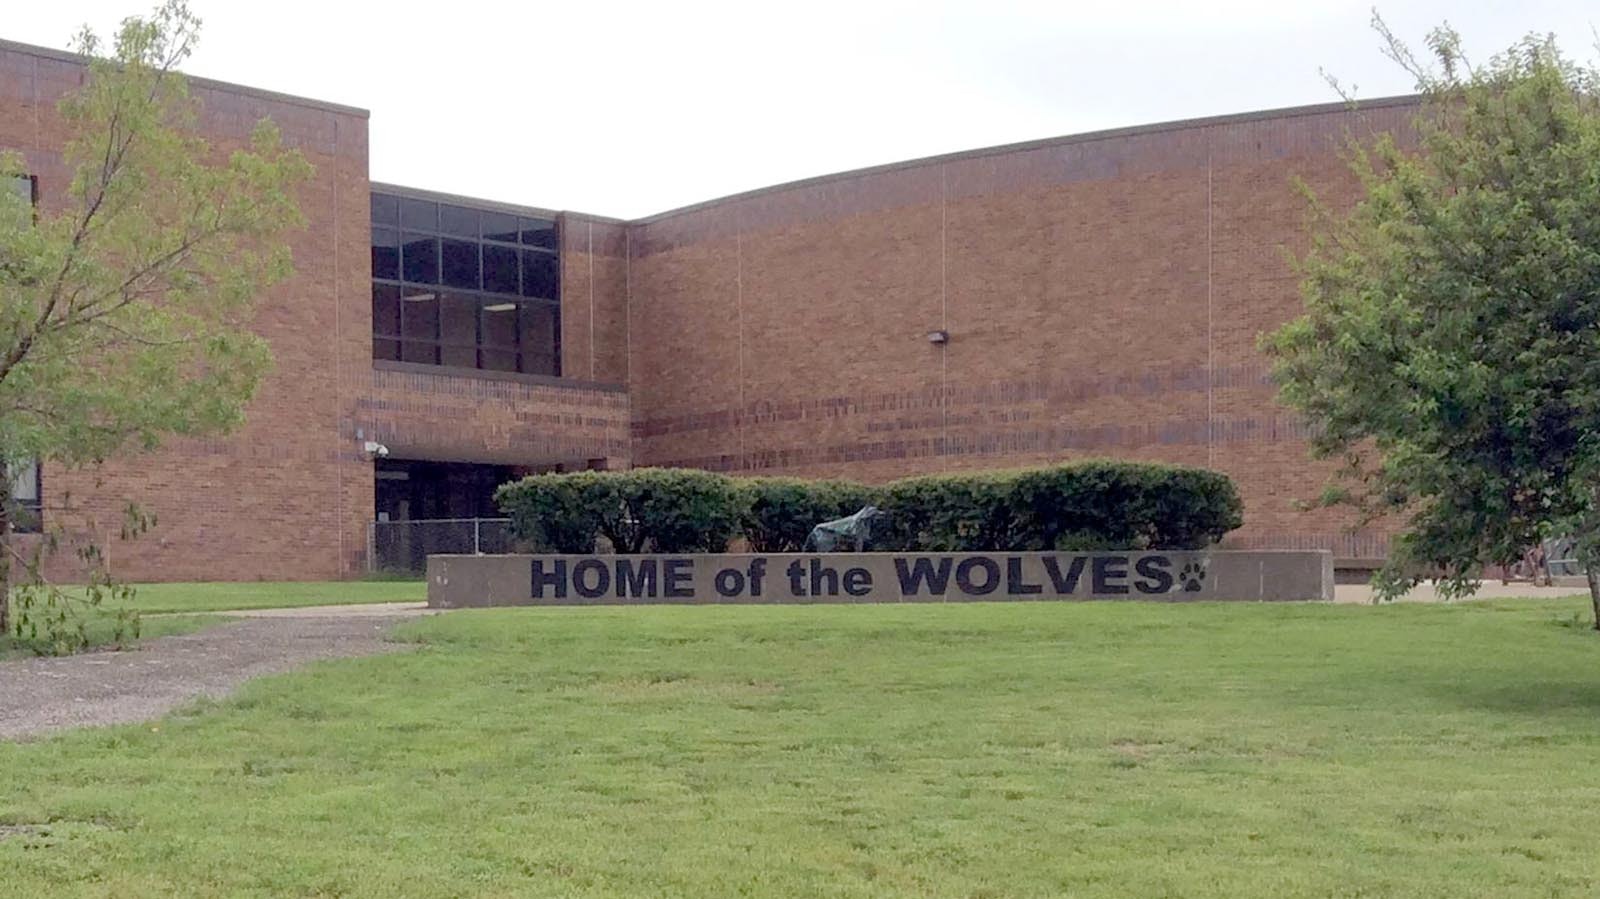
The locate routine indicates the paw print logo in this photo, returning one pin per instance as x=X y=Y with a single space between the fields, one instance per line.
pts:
x=1192 y=576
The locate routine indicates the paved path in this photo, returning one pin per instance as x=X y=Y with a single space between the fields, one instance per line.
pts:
x=39 y=695
x=352 y=610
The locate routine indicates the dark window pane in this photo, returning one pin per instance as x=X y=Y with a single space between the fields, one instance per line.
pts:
x=419 y=314
x=458 y=356
x=419 y=351
x=500 y=226
x=499 y=269
x=420 y=214
x=540 y=364
x=385 y=210
x=540 y=327
x=500 y=324
x=460 y=263
x=541 y=274
x=499 y=360
x=458 y=330
x=386 y=310
x=384 y=348
x=23 y=185
x=421 y=259
x=539 y=233
x=459 y=221
x=26 y=506
x=386 y=254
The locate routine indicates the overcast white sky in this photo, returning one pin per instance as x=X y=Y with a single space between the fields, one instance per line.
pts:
x=628 y=108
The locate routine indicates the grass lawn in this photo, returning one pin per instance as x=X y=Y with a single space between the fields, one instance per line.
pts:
x=220 y=596
x=1047 y=749
x=101 y=626
x=166 y=609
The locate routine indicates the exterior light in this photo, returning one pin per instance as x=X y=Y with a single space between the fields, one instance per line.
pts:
x=501 y=307
x=939 y=337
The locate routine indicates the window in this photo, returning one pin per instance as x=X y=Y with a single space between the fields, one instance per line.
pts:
x=26 y=507
x=464 y=287
x=23 y=186
x=386 y=254
x=460 y=263
x=419 y=255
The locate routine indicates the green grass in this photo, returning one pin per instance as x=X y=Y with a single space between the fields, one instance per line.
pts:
x=166 y=609
x=101 y=628
x=220 y=596
x=1048 y=749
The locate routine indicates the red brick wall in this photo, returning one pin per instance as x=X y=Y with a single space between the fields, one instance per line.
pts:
x=594 y=299
x=1103 y=297
x=290 y=495
x=266 y=502
x=422 y=412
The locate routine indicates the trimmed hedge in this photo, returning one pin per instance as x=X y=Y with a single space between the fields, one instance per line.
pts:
x=668 y=510
x=777 y=514
x=1077 y=507
x=1080 y=507
x=556 y=513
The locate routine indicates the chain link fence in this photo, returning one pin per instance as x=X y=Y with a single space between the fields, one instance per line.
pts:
x=403 y=547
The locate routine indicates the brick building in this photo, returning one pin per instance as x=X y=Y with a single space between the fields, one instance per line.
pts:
x=1092 y=295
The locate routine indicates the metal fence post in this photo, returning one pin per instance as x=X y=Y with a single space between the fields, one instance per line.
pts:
x=477 y=536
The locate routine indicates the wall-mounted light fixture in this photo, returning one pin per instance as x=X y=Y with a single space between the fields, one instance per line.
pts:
x=939 y=337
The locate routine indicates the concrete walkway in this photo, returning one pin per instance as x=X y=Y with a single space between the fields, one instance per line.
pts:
x=351 y=610
x=41 y=695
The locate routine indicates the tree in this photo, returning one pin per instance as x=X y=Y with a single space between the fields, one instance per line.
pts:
x=1450 y=350
x=125 y=303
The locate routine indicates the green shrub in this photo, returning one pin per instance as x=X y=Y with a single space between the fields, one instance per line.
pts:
x=674 y=510
x=777 y=514
x=1075 y=507
x=669 y=510
x=1126 y=505
x=556 y=513
x=951 y=513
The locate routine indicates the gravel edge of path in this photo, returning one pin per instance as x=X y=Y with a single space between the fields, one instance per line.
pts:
x=43 y=696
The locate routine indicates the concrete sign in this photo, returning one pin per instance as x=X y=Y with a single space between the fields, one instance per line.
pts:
x=557 y=580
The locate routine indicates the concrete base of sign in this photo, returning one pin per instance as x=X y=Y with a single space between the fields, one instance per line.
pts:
x=555 y=580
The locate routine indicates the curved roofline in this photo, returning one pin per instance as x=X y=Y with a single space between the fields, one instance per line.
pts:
x=1285 y=112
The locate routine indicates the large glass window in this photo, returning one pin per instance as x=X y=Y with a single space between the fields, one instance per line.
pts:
x=464 y=287
x=26 y=506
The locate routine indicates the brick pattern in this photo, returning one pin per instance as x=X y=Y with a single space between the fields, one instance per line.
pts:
x=1103 y=296
x=291 y=494
x=594 y=299
x=428 y=415
x=267 y=501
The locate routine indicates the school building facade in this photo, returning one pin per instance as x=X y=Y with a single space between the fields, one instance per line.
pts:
x=1097 y=295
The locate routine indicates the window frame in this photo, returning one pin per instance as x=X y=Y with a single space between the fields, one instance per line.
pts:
x=24 y=506
x=543 y=360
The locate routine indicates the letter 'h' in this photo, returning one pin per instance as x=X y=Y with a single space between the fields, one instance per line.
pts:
x=556 y=578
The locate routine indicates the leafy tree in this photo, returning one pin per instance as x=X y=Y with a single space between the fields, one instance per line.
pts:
x=124 y=302
x=1450 y=351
